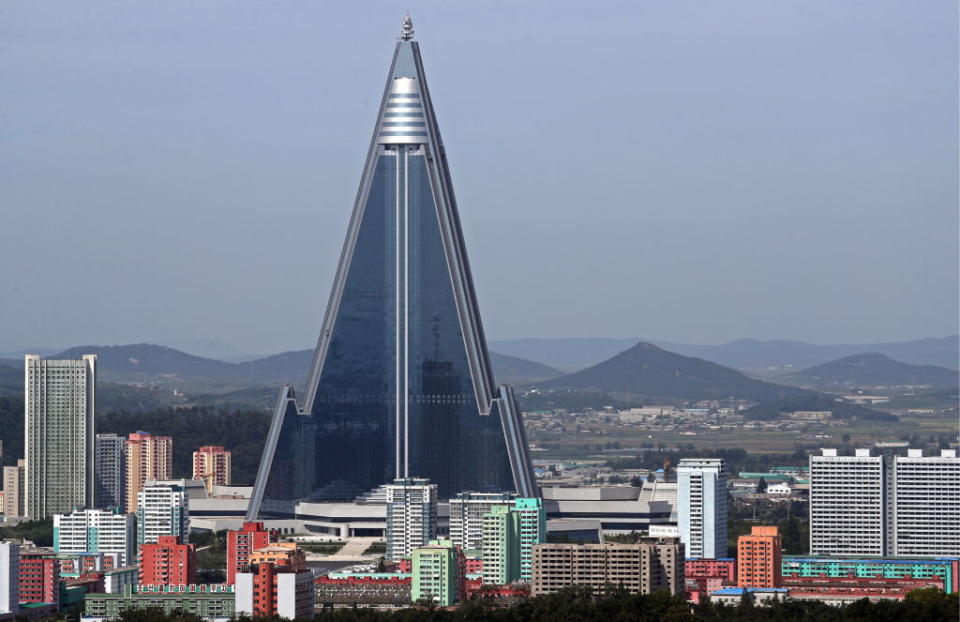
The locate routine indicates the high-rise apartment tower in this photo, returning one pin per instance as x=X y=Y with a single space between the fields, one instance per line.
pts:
x=702 y=507
x=111 y=476
x=874 y=504
x=148 y=457
x=59 y=407
x=411 y=516
x=211 y=464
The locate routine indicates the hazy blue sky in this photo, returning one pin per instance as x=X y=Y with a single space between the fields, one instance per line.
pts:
x=689 y=171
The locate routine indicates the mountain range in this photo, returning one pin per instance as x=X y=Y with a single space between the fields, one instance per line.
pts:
x=871 y=369
x=155 y=364
x=760 y=358
x=143 y=376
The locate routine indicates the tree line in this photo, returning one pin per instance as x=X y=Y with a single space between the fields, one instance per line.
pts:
x=241 y=432
x=582 y=605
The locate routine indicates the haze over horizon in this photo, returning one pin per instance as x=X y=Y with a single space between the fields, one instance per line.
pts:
x=184 y=172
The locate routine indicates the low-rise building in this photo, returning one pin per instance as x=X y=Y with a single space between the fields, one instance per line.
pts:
x=945 y=570
x=724 y=569
x=649 y=565
x=370 y=589
x=733 y=596
x=210 y=602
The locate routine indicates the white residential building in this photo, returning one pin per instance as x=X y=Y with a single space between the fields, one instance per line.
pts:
x=847 y=504
x=59 y=405
x=9 y=577
x=702 y=507
x=885 y=505
x=411 y=516
x=162 y=510
x=466 y=516
x=926 y=504
x=97 y=531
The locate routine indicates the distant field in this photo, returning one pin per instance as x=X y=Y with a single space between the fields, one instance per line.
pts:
x=584 y=445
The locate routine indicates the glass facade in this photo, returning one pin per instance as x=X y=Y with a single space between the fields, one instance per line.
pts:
x=395 y=390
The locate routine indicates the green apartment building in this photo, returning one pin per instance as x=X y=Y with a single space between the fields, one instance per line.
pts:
x=532 y=530
x=509 y=534
x=501 y=545
x=211 y=602
x=945 y=568
x=437 y=573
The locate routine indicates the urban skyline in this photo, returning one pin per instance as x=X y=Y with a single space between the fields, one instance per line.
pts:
x=395 y=471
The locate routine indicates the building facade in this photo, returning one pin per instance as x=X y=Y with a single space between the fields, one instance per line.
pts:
x=532 y=530
x=945 y=570
x=466 y=516
x=651 y=564
x=926 y=504
x=401 y=383
x=759 y=558
x=702 y=507
x=168 y=561
x=501 y=545
x=14 y=487
x=208 y=602
x=110 y=471
x=162 y=510
x=104 y=531
x=39 y=576
x=723 y=569
x=148 y=457
x=438 y=573
x=242 y=542
x=276 y=583
x=211 y=465
x=869 y=504
x=59 y=407
x=411 y=516
x=9 y=577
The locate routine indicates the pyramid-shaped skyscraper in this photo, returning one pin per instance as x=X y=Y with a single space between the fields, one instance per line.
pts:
x=401 y=383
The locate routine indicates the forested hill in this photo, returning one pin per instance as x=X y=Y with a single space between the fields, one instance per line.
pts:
x=646 y=370
x=872 y=369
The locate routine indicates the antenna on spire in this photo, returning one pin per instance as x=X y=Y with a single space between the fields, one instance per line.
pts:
x=406 y=33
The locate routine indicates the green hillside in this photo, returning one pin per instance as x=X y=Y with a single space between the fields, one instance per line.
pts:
x=649 y=371
x=871 y=369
